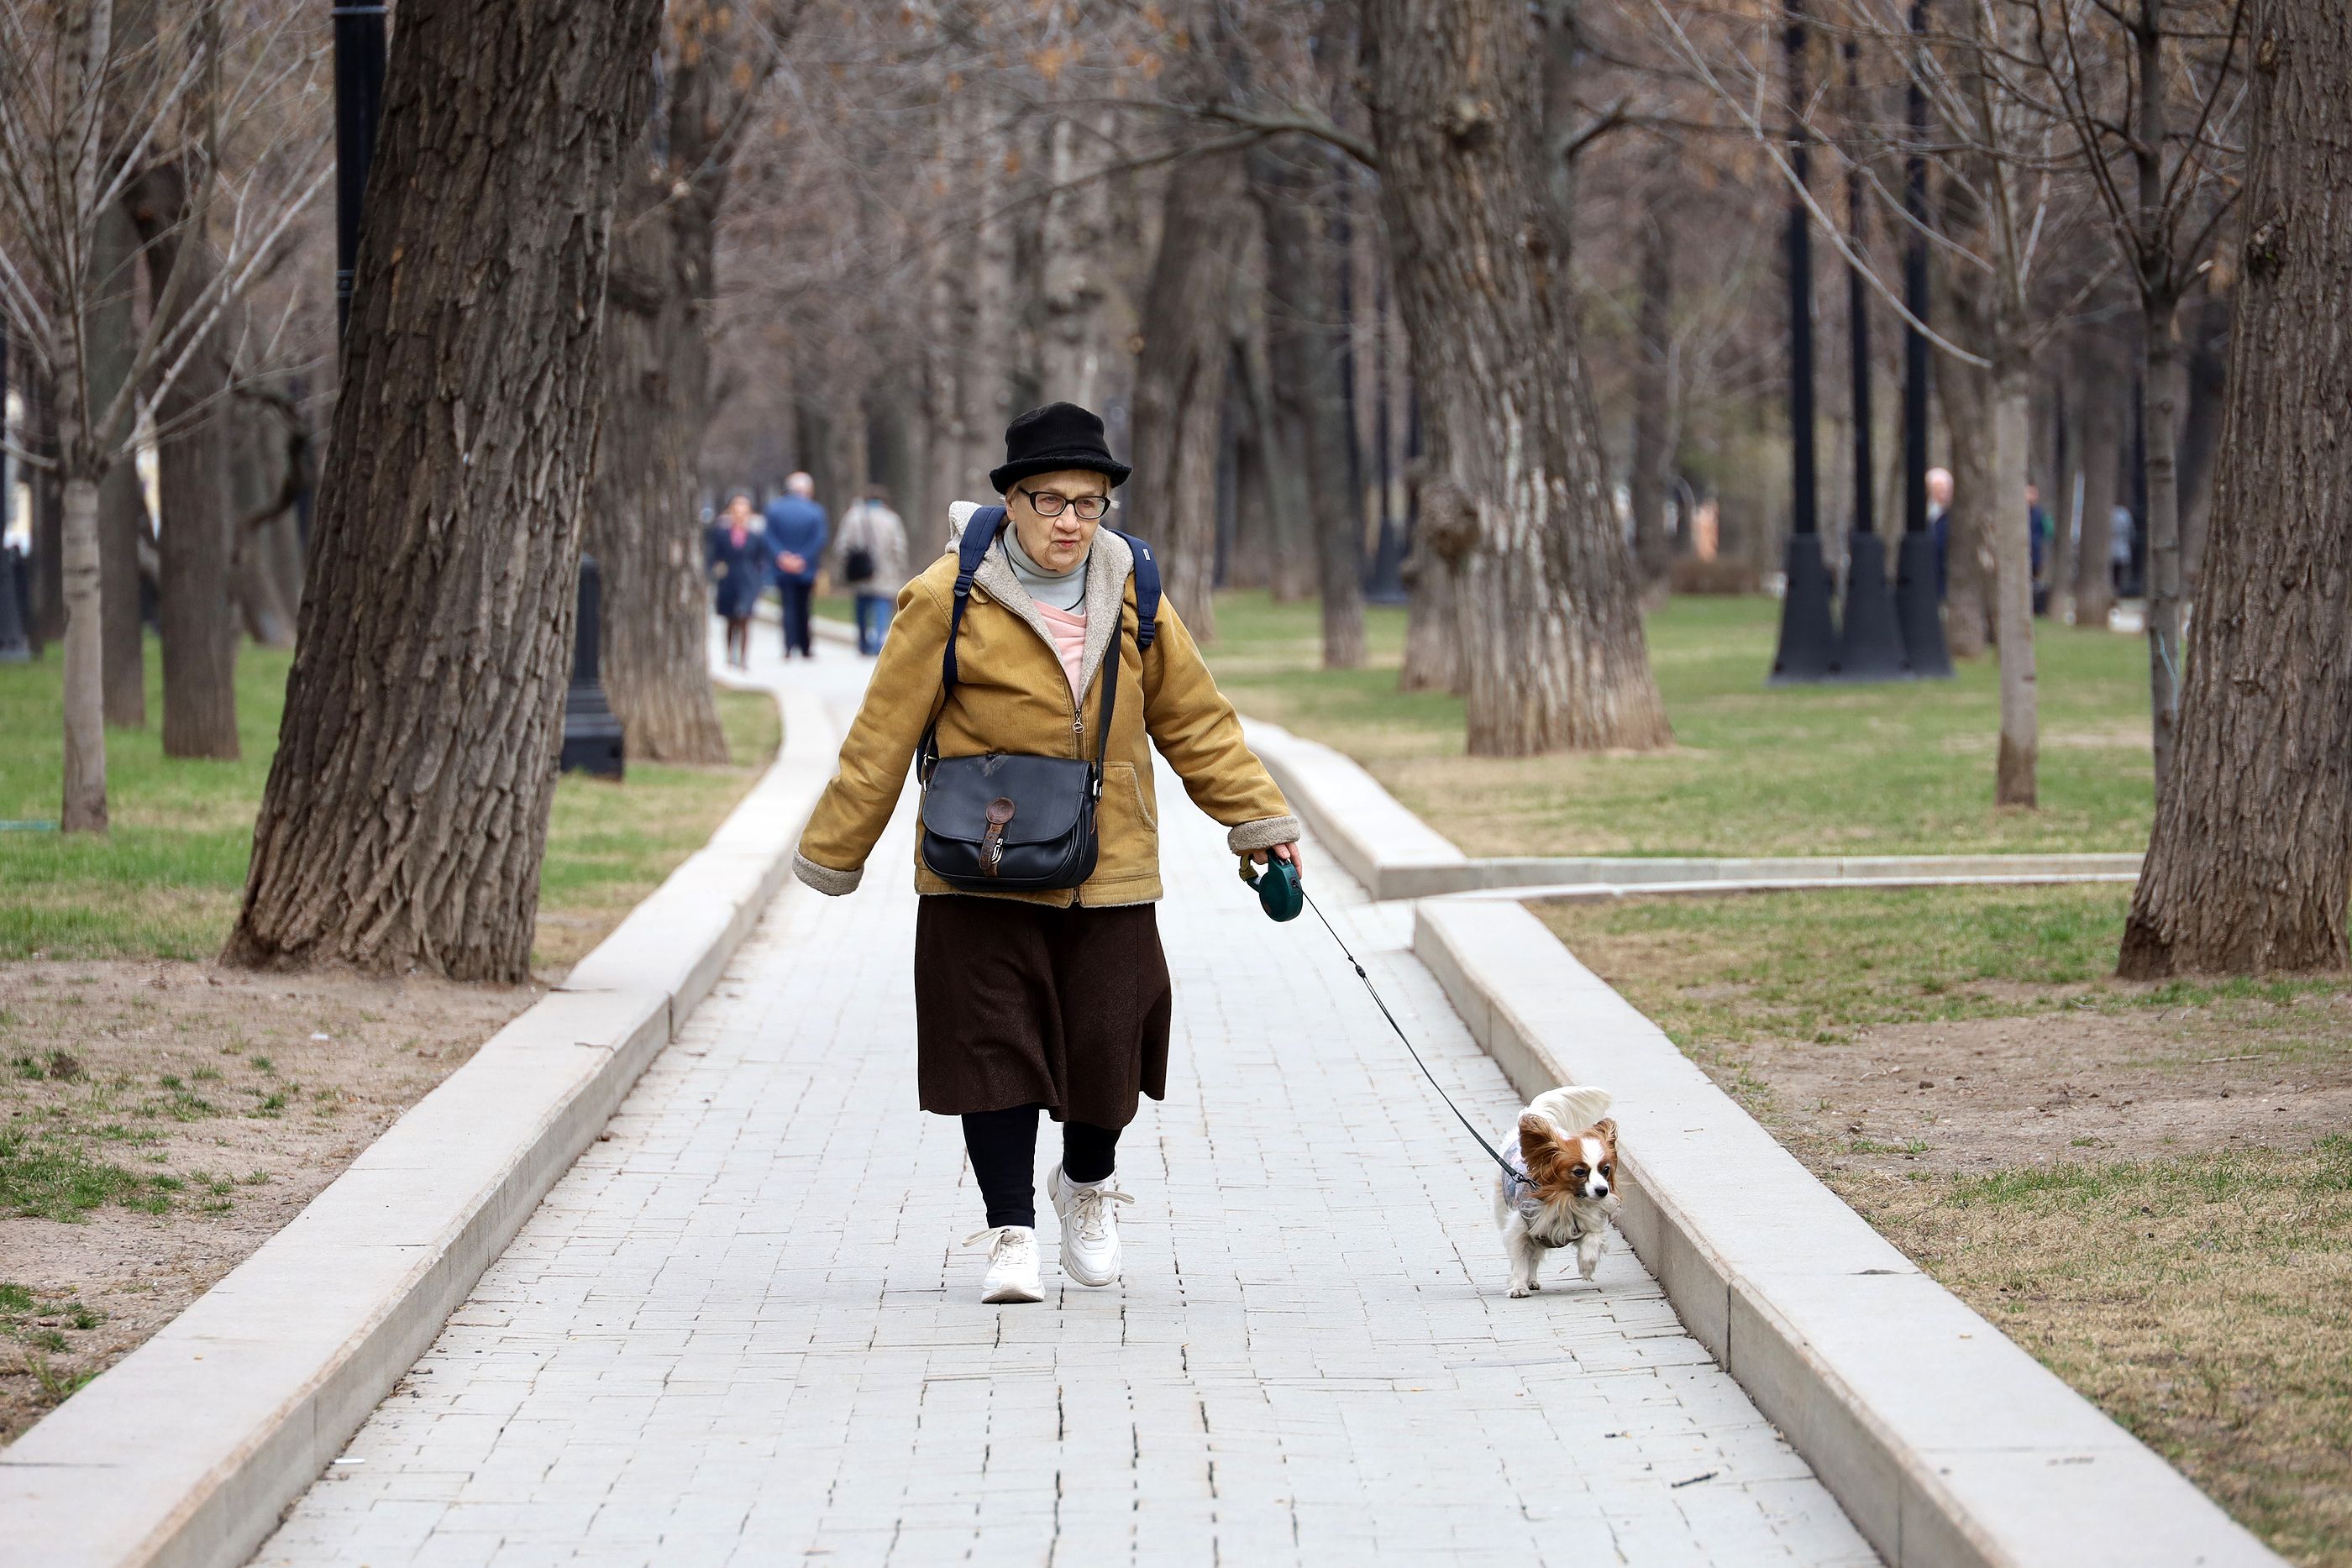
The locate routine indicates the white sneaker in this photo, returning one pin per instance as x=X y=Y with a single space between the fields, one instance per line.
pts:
x=1011 y=1264
x=1089 y=1229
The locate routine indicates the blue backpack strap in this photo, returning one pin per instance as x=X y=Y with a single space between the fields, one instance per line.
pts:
x=1147 y=591
x=980 y=531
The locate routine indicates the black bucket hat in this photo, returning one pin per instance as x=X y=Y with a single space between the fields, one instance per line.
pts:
x=1058 y=436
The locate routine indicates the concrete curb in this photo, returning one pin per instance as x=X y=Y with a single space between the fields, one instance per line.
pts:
x=184 y=1454
x=1946 y=1444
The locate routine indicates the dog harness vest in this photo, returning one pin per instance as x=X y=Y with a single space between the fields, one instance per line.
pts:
x=1519 y=1192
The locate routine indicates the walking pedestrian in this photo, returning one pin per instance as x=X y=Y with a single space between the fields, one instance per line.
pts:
x=1939 y=523
x=1059 y=999
x=737 y=559
x=797 y=533
x=872 y=546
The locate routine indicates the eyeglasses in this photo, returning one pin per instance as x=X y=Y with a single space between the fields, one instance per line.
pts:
x=1093 y=509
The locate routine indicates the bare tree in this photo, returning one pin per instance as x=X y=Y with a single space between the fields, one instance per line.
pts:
x=406 y=809
x=2246 y=866
x=2151 y=93
x=87 y=106
x=1514 y=493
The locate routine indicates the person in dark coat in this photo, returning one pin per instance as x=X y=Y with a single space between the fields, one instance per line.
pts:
x=739 y=559
x=796 y=532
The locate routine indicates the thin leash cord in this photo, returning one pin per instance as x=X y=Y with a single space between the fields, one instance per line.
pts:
x=1508 y=1169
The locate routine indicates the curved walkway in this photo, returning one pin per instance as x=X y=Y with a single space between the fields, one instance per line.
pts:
x=739 y=1332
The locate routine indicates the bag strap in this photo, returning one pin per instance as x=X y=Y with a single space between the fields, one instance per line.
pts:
x=1147 y=591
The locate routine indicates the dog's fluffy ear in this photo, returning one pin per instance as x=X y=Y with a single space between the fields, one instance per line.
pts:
x=1538 y=1146
x=1607 y=1128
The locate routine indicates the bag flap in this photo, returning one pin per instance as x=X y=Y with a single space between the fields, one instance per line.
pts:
x=1049 y=790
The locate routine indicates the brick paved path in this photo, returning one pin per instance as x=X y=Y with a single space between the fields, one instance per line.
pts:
x=740 y=1331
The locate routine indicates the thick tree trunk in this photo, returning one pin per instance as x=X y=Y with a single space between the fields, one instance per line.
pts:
x=85 y=694
x=1075 y=292
x=198 y=632
x=1653 y=391
x=1514 y=495
x=995 y=339
x=2246 y=868
x=2020 y=743
x=641 y=522
x=1964 y=395
x=406 y=809
x=253 y=491
x=1303 y=348
x=121 y=505
x=2098 y=398
x=2200 y=432
x=1432 y=642
x=1180 y=379
x=2160 y=363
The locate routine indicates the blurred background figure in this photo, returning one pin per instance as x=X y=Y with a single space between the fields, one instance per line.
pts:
x=873 y=560
x=796 y=532
x=1939 y=522
x=738 y=560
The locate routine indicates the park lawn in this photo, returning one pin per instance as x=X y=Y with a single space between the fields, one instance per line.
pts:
x=1905 y=768
x=2146 y=1187
x=166 y=880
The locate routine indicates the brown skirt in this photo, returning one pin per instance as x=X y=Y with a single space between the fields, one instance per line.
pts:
x=1023 y=1004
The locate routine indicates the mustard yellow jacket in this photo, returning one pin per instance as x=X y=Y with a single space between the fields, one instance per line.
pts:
x=1012 y=695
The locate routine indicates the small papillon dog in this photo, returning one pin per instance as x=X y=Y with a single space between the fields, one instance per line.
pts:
x=1563 y=1187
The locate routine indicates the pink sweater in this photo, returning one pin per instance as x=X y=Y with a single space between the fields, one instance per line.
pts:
x=1069 y=630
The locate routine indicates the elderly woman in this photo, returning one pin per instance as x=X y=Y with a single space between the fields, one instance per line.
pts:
x=1054 y=1000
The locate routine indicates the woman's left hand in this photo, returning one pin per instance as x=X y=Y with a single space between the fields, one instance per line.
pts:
x=1290 y=852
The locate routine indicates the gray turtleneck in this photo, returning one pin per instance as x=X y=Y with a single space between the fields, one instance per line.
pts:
x=1064 y=591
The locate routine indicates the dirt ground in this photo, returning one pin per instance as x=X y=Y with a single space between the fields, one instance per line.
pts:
x=160 y=1121
x=1977 y=1094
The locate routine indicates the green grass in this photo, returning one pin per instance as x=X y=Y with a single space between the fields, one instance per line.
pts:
x=164 y=880
x=1821 y=966
x=2203 y=1301
x=1906 y=767
x=44 y=1177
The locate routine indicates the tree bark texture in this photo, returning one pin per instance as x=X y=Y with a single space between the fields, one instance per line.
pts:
x=2161 y=373
x=1180 y=379
x=83 y=450
x=406 y=809
x=1515 y=495
x=2208 y=360
x=256 y=492
x=198 y=629
x=2020 y=744
x=2246 y=867
x=1432 y=642
x=1965 y=394
x=1303 y=347
x=1653 y=391
x=121 y=502
x=1074 y=291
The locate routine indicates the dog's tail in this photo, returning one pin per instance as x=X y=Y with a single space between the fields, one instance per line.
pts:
x=1571 y=1110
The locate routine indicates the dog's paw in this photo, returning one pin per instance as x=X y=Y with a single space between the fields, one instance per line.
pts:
x=1518 y=1290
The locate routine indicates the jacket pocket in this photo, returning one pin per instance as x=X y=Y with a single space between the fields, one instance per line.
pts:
x=1123 y=826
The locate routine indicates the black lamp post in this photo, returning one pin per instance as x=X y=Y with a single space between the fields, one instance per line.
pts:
x=1808 y=649
x=1870 y=645
x=592 y=735
x=1917 y=606
x=359 y=101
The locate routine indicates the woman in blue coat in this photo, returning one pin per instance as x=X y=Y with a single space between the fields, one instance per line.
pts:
x=739 y=560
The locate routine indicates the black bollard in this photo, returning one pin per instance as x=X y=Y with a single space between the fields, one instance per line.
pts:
x=592 y=735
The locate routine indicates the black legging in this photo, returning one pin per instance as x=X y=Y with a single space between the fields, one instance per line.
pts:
x=1003 y=1149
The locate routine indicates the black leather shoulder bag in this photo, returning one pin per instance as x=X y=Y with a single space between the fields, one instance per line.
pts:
x=1008 y=821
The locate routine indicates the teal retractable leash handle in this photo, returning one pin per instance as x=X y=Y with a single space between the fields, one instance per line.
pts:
x=1278 y=893
x=1282 y=897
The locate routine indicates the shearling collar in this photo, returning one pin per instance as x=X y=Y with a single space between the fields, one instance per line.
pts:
x=1108 y=565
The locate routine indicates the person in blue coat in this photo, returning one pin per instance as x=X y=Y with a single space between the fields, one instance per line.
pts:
x=737 y=556
x=796 y=532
